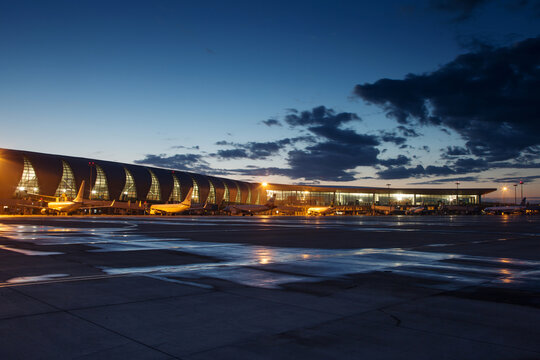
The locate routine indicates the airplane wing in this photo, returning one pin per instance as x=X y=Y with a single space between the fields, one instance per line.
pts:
x=32 y=206
x=98 y=206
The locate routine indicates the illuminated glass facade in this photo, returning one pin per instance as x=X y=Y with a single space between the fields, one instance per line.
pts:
x=176 y=194
x=226 y=194
x=238 y=194
x=315 y=198
x=395 y=199
x=212 y=194
x=130 y=191
x=326 y=198
x=67 y=186
x=353 y=198
x=100 y=190
x=446 y=199
x=195 y=194
x=154 y=194
x=258 y=200
x=29 y=182
x=249 y=196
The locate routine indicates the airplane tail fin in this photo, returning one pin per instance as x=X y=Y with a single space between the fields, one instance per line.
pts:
x=524 y=201
x=187 y=200
x=80 y=194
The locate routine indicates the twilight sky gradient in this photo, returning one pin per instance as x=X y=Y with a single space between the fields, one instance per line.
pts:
x=411 y=93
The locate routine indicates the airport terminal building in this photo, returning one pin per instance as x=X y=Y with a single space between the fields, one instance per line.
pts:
x=25 y=175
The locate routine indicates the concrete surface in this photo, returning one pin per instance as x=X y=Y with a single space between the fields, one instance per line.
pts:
x=270 y=287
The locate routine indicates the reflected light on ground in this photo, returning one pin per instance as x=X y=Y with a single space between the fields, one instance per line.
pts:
x=264 y=256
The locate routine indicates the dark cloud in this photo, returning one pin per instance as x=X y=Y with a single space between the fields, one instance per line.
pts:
x=462 y=9
x=516 y=180
x=466 y=165
x=459 y=166
x=332 y=152
x=188 y=162
x=196 y=147
x=343 y=136
x=256 y=150
x=337 y=151
x=489 y=97
x=402 y=172
x=400 y=160
x=455 y=151
x=324 y=161
x=392 y=137
x=519 y=165
x=271 y=122
x=233 y=154
x=319 y=116
x=449 y=181
x=408 y=132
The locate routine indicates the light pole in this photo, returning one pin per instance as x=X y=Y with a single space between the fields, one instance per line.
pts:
x=388 y=193
x=457 y=192
x=515 y=194
x=521 y=183
x=503 y=191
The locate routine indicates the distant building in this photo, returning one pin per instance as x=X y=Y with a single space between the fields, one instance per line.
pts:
x=25 y=174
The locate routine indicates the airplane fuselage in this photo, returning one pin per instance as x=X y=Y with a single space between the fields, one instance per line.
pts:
x=248 y=209
x=385 y=209
x=63 y=206
x=168 y=208
x=504 y=209
x=323 y=210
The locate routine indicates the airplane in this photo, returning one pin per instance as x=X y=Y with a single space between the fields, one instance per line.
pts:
x=165 y=209
x=417 y=210
x=68 y=206
x=507 y=209
x=251 y=209
x=386 y=209
x=321 y=210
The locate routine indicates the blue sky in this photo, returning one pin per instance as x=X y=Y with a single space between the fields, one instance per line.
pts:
x=122 y=80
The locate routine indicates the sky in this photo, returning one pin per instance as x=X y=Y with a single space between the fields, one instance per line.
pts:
x=354 y=93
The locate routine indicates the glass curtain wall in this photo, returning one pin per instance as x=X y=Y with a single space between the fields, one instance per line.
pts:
x=212 y=195
x=352 y=199
x=195 y=195
x=29 y=182
x=130 y=191
x=176 y=194
x=226 y=195
x=67 y=187
x=154 y=194
x=292 y=197
x=101 y=189
x=238 y=194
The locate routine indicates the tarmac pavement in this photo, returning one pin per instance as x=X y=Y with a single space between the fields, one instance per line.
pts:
x=454 y=287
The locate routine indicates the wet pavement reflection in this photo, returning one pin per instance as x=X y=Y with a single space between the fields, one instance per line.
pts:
x=267 y=266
